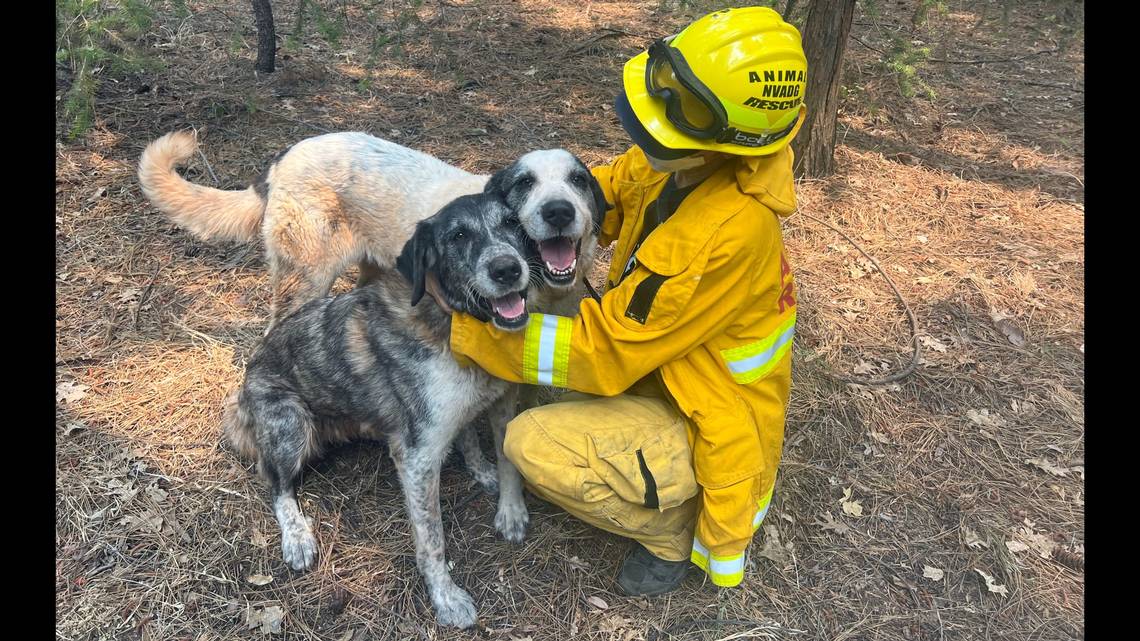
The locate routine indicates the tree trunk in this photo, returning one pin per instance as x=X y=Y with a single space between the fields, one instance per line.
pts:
x=266 y=37
x=825 y=40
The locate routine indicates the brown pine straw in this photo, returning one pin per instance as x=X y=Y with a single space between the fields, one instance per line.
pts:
x=915 y=355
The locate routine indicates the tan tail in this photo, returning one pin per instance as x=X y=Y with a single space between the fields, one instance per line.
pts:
x=210 y=214
x=237 y=427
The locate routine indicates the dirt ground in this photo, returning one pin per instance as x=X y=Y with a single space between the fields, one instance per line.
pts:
x=947 y=506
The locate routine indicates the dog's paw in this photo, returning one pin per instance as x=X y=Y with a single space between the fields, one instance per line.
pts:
x=511 y=521
x=299 y=547
x=454 y=607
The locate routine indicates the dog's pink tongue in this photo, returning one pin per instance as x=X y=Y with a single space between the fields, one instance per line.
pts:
x=509 y=306
x=557 y=252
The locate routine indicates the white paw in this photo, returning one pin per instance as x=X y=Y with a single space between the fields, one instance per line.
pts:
x=299 y=547
x=454 y=607
x=511 y=521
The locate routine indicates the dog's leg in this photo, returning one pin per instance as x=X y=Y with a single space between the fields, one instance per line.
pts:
x=418 y=468
x=294 y=285
x=481 y=469
x=283 y=444
x=511 y=519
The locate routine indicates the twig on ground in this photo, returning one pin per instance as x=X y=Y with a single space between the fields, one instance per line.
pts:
x=915 y=356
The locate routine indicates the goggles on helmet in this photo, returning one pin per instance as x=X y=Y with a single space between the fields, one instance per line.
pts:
x=689 y=105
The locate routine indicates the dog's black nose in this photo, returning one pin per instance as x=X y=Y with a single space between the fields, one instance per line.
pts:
x=558 y=213
x=504 y=270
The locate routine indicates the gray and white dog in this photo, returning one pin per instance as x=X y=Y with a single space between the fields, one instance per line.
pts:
x=373 y=363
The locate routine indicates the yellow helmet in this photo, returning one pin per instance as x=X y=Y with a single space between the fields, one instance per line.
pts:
x=733 y=82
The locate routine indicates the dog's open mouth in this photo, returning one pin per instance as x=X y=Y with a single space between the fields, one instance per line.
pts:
x=559 y=258
x=509 y=312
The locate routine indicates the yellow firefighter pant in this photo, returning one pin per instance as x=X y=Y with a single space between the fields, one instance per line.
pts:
x=603 y=459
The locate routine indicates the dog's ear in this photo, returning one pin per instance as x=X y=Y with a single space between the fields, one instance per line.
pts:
x=418 y=258
x=601 y=205
x=497 y=184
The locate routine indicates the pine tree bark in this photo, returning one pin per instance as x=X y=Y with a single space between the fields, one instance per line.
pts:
x=825 y=41
x=266 y=36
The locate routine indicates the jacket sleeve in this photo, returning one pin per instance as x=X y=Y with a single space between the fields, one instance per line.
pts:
x=643 y=323
x=610 y=177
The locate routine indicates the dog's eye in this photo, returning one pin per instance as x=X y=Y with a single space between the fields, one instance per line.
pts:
x=458 y=234
x=525 y=181
x=578 y=179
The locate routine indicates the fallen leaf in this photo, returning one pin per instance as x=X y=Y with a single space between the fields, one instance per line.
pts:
x=74 y=426
x=156 y=493
x=985 y=419
x=925 y=280
x=934 y=574
x=1045 y=465
x=530 y=72
x=129 y=295
x=880 y=437
x=991 y=586
x=112 y=279
x=864 y=368
x=70 y=392
x=829 y=523
x=97 y=194
x=772 y=548
x=900 y=269
x=1011 y=332
x=577 y=564
x=922 y=239
x=856 y=273
x=268 y=619
x=597 y=602
x=972 y=540
x=1016 y=546
x=933 y=343
x=1041 y=543
x=259 y=579
x=854 y=508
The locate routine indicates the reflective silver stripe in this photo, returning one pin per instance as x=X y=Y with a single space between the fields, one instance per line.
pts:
x=727 y=568
x=546 y=345
x=760 y=516
x=761 y=359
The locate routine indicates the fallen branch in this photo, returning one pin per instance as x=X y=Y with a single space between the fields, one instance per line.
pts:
x=915 y=356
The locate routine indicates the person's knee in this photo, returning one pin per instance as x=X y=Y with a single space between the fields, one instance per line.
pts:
x=522 y=436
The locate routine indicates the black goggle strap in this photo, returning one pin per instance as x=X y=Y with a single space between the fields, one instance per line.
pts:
x=754 y=140
x=661 y=53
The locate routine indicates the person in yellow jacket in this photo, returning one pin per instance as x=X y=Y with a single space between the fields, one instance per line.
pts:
x=681 y=372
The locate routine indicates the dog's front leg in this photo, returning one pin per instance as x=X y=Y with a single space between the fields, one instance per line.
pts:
x=419 y=474
x=511 y=519
x=481 y=469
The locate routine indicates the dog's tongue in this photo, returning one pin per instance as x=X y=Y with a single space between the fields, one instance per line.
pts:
x=510 y=306
x=557 y=252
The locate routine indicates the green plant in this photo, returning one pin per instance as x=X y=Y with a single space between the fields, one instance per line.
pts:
x=329 y=24
x=903 y=60
x=95 y=37
x=922 y=11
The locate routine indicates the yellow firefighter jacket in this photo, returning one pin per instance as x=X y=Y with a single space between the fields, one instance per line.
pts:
x=710 y=306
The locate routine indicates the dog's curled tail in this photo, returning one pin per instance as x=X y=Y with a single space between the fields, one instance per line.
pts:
x=210 y=214
x=237 y=427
